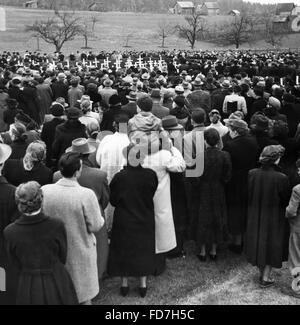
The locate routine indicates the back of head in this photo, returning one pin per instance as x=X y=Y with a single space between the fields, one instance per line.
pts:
x=199 y=116
x=29 y=197
x=212 y=137
x=145 y=103
x=69 y=164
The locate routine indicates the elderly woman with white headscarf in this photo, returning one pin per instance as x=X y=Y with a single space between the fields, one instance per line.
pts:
x=29 y=168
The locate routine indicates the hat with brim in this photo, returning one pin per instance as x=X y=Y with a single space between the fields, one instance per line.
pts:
x=170 y=123
x=85 y=98
x=108 y=83
x=81 y=146
x=145 y=76
x=197 y=82
x=132 y=96
x=5 y=152
x=238 y=115
x=62 y=102
x=74 y=113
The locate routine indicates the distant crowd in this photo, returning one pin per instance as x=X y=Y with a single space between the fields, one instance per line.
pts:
x=107 y=172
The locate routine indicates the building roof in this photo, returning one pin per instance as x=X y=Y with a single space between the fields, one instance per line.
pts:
x=284 y=7
x=186 y=4
x=212 y=5
x=236 y=12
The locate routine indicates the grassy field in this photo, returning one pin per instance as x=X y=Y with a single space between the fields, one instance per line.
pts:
x=229 y=281
x=111 y=32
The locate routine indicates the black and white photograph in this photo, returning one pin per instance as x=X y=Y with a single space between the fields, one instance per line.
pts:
x=150 y=155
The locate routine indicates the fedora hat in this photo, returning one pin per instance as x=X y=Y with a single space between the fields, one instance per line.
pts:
x=81 y=146
x=156 y=93
x=132 y=96
x=5 y=152
x=146 y=76
x=179 y=89
x=226 y=84
x=170 y=123
x=85 y=98
x=197 y=82
x=62 y=101
x=108 y=82
x=185 y=84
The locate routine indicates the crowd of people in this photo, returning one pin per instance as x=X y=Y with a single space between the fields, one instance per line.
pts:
x=109 y=172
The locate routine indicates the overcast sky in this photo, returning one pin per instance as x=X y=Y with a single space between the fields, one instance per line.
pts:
x=297 y=2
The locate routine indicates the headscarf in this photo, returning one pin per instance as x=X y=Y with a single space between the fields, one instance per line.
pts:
x=35 y=154
x=270 y=154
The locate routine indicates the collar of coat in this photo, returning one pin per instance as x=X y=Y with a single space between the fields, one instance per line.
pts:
x=3 y=180
x=31 y=220
x=66 y=182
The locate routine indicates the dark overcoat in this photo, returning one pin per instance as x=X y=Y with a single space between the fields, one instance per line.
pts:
x=243 y=153
x=37 y=246
x=211 y=218
x=132 y=248
x=16 y=174
x=18 y=148
x=8 y=212
x=269 y=194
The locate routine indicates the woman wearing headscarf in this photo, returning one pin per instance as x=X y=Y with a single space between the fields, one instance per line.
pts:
x=37 y=247
x=243 y=153
x=132 y=248
x=29 y=168
x=18 y=136
x=268 y=196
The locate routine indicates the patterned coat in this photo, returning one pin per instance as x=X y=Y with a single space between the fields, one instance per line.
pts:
x=78 y=208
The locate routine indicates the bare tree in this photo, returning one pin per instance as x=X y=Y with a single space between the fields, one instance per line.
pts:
x=57 y=30
x=165 y=29
x=237 y=31
x=194 y=29
x=86 y=33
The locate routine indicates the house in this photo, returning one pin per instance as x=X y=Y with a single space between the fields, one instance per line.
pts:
x=96 y=6
x=285 y=9
x=209 y=8
x=234 y=13
x=31 y=4
x=184 y=8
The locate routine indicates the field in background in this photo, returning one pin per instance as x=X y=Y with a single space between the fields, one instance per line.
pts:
x=111 y=32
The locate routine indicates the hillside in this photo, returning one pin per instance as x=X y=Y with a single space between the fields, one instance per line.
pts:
x=111 y=32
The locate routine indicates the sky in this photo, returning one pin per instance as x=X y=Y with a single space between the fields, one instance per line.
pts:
x=297 y=2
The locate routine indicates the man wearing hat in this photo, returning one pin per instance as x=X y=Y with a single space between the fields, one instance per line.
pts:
x=60 y=87
x=96 y=180
x=157 y=109
x=131 y=107
x=48 y=131
x=66 y=132
x=8 y=210
x=75 y=92
x=107 y=91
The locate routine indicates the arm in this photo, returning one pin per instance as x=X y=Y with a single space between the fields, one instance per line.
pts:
x=62 y=244
x=291 y=210
x=91 y=211
x=227 y=168
x=175 y=163
x=104 y=200
x=244 y=106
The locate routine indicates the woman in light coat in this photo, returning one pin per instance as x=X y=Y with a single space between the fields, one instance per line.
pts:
x=78 y=208
x=163 y=162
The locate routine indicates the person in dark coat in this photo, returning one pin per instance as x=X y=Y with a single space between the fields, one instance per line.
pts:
x=132 y=248
x=292 y=114
x=31 y=102
x=268 y=195
x=110 y=114
x=260 y=130
x=131 y=107
x=66 y=132
x=8 y=212
x=37 y=246
x=48 y=131
x=60 y=87
x=16 y=93
x=19 y=141
x=259 y=104
x=29 y=168
x=211 y=223
x=243 y=152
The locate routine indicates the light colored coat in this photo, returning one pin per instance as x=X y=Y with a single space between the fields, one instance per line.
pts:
x=162 y=163
x=78 y=208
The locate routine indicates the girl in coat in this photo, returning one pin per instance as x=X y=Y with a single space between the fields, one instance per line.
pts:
x=132 y=249
x=37 y=247
x=268 y=195
x=212 y=216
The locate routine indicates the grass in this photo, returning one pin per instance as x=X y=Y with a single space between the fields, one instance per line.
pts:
x=111 y=32
x=229 y=281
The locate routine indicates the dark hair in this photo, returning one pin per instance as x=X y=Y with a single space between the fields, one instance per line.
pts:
x=212 y=137
x=199 y=116
x=69 y=164
x=237 y=89
x=145 y=103
x=258 y=91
